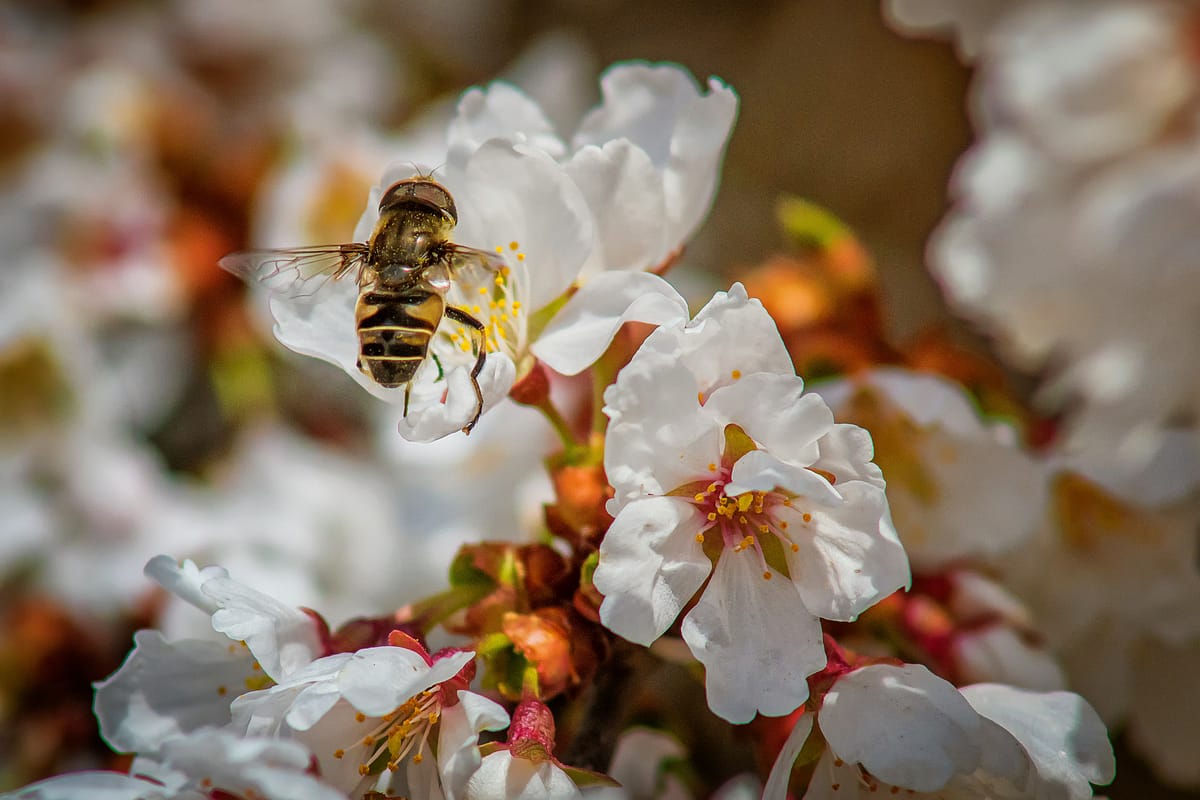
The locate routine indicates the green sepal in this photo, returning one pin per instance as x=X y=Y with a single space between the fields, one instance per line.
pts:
x=584 y=778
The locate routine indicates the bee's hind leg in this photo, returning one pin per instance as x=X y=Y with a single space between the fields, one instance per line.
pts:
x=476 y=329
x=407 y=392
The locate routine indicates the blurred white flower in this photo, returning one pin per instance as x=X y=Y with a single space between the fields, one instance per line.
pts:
x=1072 y=235
x=957 y=485
x=1125 y=585
x=202 y=764
x=723 y=467
x=641 y=764
x=888 y=729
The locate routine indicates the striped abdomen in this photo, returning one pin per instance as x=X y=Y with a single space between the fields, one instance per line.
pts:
x=394 y=329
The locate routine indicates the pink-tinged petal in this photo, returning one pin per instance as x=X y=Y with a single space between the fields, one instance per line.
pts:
x=166 y=689
x=625 y=194
x=430 y=419
x=846 y=453
x=500 y=111
x=760 y=471
x=757 y=643
x=93 y=785
x=458 y=754
x=379 y=679
x=848 y=555
x=1062 y=734
x=184 y=579
x=283 y=638
x=503 y=777
x=660 y=108
x=781 y=770
x=904 y=725
x=584 y=328
x=650 y=566
x=774 y=410
x=516 y=193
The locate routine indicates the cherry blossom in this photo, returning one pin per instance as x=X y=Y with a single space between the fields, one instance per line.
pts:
x=938 y=742
x=780 y=518
x=202 y=764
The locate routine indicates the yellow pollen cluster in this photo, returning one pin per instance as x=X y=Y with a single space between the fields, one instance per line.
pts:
x=402 y=733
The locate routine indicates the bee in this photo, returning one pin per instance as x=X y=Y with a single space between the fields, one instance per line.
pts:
x=403 y=272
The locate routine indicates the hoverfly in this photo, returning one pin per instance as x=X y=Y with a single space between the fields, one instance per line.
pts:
x=403 y=272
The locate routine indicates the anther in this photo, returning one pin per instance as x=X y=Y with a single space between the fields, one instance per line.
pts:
x=737 y=373
x=339 y=753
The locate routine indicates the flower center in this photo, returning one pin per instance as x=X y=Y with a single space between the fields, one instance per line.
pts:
x=498 y=305
x=398 y=735
x=747 y=523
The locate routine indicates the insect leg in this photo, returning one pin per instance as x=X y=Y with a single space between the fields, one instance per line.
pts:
x=476 y=328
x=407 y=392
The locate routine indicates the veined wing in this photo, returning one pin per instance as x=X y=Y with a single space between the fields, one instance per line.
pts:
x=472 y=269
x=297 y=275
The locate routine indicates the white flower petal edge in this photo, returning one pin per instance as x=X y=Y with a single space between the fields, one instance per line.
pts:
x=1062 y=734
x=503 y=776
x=903 y=727
x=584 y=328
x=756 y=643
x=195 y=766
x=661 y=109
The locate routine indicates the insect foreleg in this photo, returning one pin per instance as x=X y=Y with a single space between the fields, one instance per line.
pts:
x=476 y=328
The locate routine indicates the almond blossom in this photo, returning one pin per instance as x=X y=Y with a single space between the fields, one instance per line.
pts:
x=775 y=519
x=885 y=729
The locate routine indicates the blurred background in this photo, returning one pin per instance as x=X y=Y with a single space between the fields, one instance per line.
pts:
x=144 y=406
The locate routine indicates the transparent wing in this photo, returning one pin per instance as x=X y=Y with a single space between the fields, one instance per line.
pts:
x=297 y=275
x=472 y=269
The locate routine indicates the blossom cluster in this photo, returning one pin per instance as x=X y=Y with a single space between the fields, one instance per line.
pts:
x=737 y=545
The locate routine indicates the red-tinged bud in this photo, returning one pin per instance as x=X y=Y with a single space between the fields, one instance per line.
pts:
x=531 y=734
x=533 y=389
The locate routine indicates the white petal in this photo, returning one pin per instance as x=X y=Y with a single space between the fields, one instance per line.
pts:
x=905 y=726
x=650 y=566
x=1061 y=732
x=999 y=653
x=458 y=737
x=625 y=194
x=584 y=328
x=165 y=689
x=659 y=438
x=377 y=680
x=757 y=643
x=661 y=110
x=846 y=453
x=732 y=333
x=503 y=777
x=500 y=111
x=91 y=785
x=849 y=557
x=760 y=471
x=430 y=419
x=774 y=410
x=515 y=193
x=283 y=638
x=184 y=579
x=781 y=770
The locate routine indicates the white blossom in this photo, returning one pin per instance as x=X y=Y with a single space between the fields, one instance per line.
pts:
x=959 y=486
x=889 y=729
x=387 y=718
x=717 y=455
x=193 y=767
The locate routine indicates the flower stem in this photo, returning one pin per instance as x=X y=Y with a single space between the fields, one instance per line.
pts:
x=559 y=423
